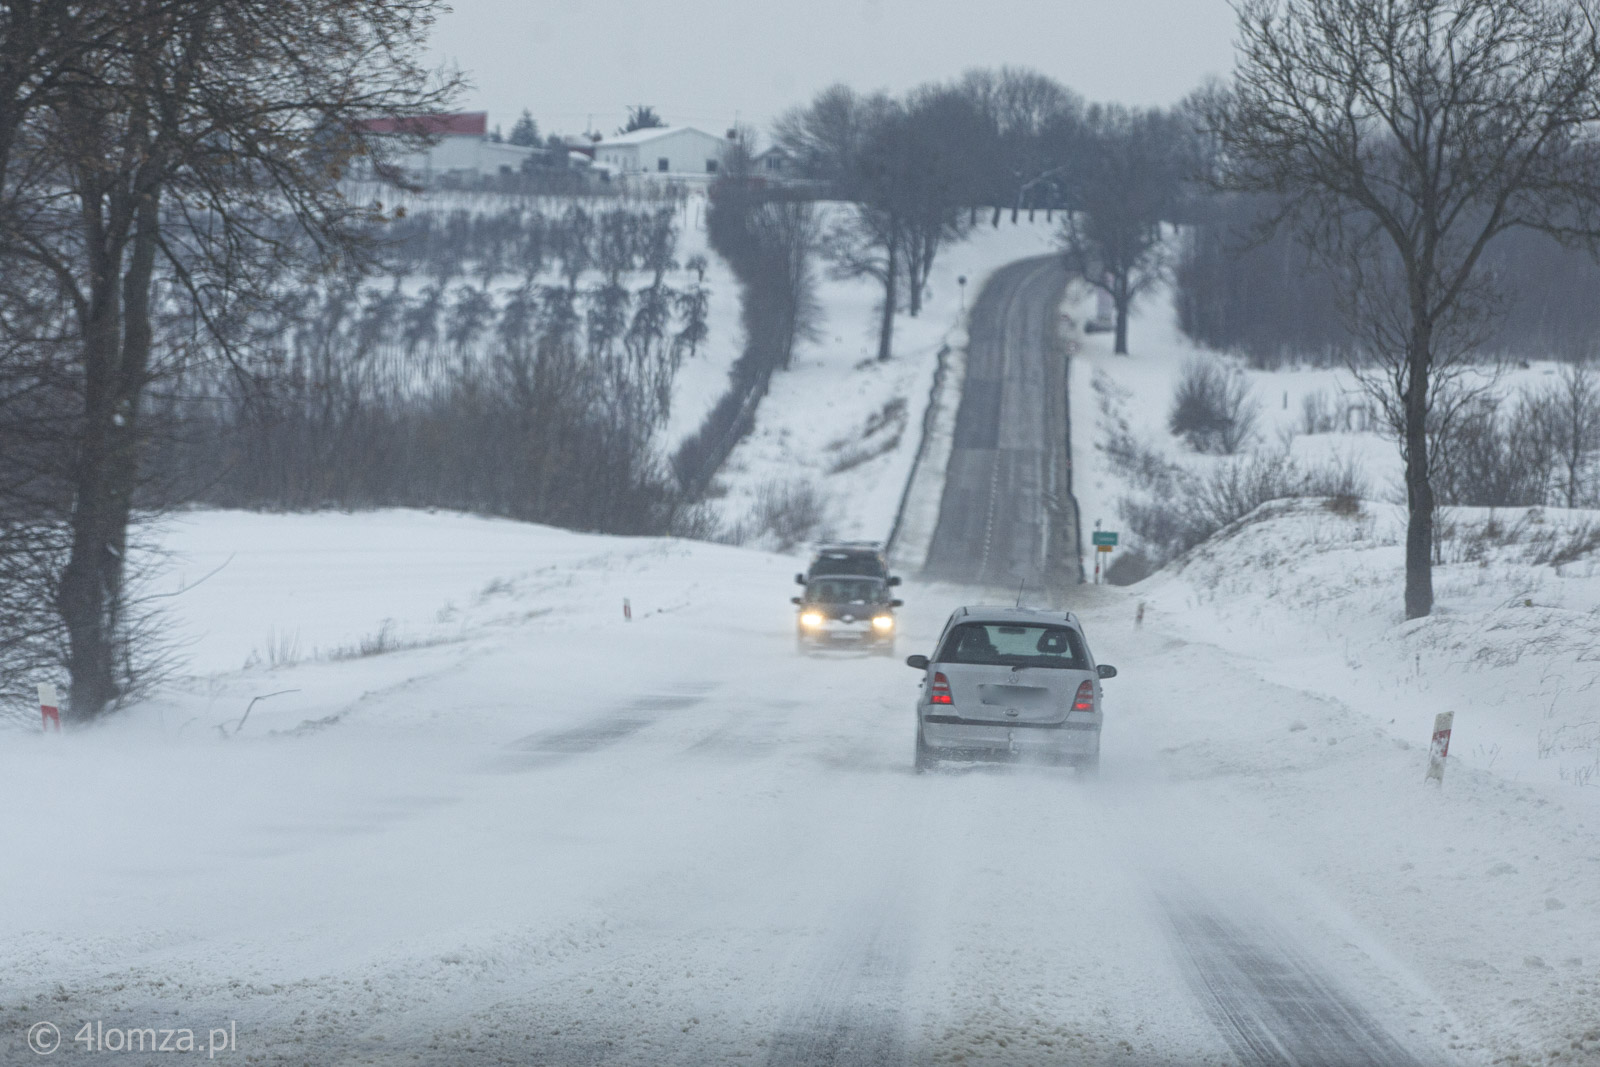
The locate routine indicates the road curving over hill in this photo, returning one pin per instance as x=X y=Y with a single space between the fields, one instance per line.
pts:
x=1007 y=518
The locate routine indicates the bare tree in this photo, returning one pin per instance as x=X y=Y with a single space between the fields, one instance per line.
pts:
x=194 y=146
x=1564 y=420
x=826 y=137
x=868 y=243
x=789 y=233
x=1125 y=183
x=943 y=180
x=1405 y=136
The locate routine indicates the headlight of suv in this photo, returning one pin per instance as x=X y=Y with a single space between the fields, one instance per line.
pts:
x=810 y=620
x=883 y=623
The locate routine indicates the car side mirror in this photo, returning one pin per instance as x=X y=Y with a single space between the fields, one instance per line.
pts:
x=919 y=662
x=1105 y=670
x=897 y=603
x=799 y=579
x=796 y=601
x=895 y=580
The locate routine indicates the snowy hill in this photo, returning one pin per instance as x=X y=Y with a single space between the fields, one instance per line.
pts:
x=848 y=426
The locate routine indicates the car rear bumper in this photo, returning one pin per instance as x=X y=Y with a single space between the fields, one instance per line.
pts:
x=951 y=734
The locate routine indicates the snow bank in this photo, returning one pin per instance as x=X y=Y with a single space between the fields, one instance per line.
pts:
x=919 y=508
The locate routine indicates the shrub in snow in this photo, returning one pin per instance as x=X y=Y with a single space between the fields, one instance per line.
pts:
x=1212 y=408
x=790 y=514
x=1182 y=508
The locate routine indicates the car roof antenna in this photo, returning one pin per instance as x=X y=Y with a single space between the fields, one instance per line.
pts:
x=1020 y=586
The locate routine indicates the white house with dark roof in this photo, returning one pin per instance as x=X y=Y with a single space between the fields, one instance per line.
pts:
x=672 y=151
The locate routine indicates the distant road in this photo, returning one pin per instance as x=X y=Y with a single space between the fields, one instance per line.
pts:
x=1007 y=516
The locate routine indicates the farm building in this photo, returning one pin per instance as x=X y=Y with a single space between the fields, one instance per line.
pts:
x=678 y=151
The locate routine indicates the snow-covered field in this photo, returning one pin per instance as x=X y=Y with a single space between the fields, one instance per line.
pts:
x=847 y=424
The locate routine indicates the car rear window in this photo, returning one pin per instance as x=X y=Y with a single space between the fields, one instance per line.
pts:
x=1015 y=645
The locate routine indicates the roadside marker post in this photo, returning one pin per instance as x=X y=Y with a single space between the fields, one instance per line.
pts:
x=1439 y=749
x=627 y=610
x=49 y=710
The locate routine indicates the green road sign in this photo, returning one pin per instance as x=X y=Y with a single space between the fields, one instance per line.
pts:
x=1105 y=537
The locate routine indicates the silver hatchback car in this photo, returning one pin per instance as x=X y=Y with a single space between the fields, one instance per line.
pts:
x=1010 y=682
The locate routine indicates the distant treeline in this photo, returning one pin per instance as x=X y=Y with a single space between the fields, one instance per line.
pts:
x=1266 y=298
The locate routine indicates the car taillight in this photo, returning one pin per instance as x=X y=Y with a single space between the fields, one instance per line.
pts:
x=940 y=691
x=1084 y=701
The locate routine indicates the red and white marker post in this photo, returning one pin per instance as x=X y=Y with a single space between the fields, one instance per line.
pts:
x=1440 y=748
x=627 y=610
x=49 y=710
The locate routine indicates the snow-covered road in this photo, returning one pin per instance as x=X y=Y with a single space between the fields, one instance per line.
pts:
x=549 y=836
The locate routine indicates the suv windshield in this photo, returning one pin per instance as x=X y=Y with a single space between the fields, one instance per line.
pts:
x=845 y=590
x=864 y=564
x=1015 y=645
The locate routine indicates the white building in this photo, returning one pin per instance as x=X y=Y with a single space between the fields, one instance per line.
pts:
x=461 y=150
x=674 y=151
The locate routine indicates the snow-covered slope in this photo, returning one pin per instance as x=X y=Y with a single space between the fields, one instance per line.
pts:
x=1137 y=389
x=847 y=424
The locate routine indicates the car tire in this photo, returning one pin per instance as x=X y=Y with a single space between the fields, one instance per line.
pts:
x=1089 y=766
x=925 y=759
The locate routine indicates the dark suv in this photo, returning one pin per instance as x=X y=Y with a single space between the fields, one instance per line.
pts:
x=846 y=610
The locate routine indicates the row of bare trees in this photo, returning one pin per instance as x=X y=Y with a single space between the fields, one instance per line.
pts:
x=918 y=170
x=371 y=395
x=770 y=238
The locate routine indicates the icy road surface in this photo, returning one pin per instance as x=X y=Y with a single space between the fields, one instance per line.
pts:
x=1006 y=517
x=551 y=836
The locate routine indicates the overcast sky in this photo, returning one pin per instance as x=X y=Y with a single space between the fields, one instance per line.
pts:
x=706 y=62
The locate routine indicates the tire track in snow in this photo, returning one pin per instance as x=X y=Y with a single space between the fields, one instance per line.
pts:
x=849 y=1013
x=620 y=723
x=1272 y=1004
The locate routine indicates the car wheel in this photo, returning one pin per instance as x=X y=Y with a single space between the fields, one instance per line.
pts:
x=1089 y=766
x=925 y=759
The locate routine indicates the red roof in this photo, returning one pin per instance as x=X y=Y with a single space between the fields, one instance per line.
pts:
x=459 y=124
